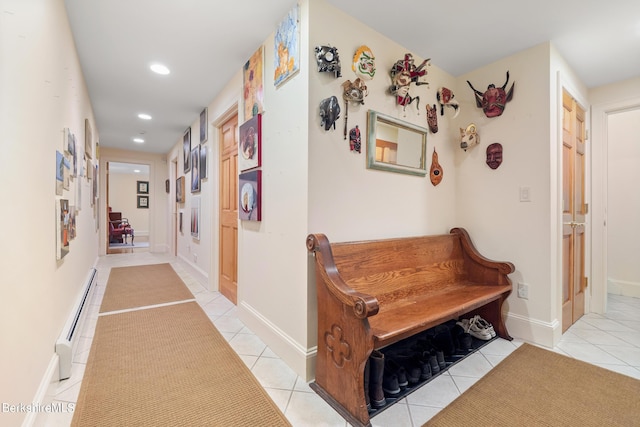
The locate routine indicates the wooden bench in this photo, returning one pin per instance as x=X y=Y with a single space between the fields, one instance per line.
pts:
x=374 y=293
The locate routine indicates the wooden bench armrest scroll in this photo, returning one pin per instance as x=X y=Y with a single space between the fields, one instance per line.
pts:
x=472 y=252
x=363 y=305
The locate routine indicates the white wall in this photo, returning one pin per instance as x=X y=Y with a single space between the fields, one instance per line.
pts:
x=158 y=216
x=488 y=201
x=347 y=201
x=623 y=203
x=123 y=197
x=607 y=100
x=43 y=91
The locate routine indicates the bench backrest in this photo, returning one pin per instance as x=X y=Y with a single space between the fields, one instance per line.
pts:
x=391 y=268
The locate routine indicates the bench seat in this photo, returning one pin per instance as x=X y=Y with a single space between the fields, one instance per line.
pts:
x=419 y=312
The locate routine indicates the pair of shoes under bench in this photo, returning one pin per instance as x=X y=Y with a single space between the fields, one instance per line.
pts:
x=478 y=328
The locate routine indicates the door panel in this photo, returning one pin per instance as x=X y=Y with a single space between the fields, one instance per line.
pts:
x=229 y=209
x=574 y=210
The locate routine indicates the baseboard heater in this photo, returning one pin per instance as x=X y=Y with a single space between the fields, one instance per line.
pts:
x=68 y=337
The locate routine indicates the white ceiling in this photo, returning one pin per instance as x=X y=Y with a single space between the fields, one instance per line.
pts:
x=205 y=42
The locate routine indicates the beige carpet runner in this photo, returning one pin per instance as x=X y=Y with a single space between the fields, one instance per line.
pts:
x=536 y=387
x=167 y=366
x=141 y=286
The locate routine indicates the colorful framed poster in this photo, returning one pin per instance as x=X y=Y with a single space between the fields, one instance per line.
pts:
x=250 y=143
x=286 y=49
x=195 y=218
x=62 y=228
x=195 y=170
x=186 y=150
x=253 y=84
x=203 y=126
x=59 y=173
x=250 y=196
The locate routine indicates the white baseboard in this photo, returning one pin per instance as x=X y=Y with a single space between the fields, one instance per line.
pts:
x=45 y=393
x=161 y=248
x=622 y=287
x=198 y=274
x=300 y=359
x=535 y=331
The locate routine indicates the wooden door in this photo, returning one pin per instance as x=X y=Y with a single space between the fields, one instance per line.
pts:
x=229 y=209
x=574 y=210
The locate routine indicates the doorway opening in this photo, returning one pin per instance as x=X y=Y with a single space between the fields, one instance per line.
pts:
x=128 y=207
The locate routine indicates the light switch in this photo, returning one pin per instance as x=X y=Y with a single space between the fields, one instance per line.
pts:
x=525 y=194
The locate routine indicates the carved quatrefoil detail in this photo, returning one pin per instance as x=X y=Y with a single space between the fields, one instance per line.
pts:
x=339 y=348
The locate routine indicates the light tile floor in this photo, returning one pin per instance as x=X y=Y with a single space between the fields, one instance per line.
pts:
x=611 y=341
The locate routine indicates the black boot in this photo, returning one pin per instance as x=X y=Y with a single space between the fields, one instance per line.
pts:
x=376 y=374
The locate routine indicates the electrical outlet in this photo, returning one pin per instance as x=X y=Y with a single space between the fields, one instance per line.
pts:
x=195 y=257
x=523 y=291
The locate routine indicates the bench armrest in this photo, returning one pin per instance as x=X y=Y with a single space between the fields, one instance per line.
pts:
x=502 y=267
x=363 y=305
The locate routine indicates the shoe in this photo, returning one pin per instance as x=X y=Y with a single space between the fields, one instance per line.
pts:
x=477 y=330
x=390 y=385
x=486 y=325
x=376 y=380
x=412 y=367
x=391 y=367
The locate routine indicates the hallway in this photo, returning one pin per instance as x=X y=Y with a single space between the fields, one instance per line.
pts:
x=611 y=341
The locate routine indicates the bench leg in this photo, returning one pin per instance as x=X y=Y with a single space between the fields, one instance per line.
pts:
x=492 y=313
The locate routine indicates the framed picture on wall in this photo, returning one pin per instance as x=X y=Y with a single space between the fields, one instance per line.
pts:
x=253 y=84
x=250 y=143
x=286 y=49
x=180 y=190
x=88 y=139
x=203 y=162
x=195 y=170
x=186 y=150
x=143 y=202
x=203 y=126
x=195 y=218
x=250 y=196
x=143 y=187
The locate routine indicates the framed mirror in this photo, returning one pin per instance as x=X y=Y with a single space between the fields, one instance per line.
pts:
x=395 y=145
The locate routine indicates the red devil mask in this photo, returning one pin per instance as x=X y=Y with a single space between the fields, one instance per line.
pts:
x=494 y=99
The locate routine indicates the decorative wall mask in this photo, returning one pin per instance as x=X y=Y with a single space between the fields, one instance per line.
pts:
x=328 y=60
x=330 y=112
x=364 y=63
x=469 y=137
x=403 y=73
x=494 y=100
x=355 y=140
x=445 y=99
x=435 y=173
x=432 y=118
x=352 y=92
x=494 y=155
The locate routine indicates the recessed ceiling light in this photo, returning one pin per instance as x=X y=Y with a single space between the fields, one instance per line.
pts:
x=160 y=69
x=136 y=170
x=144 y=116
x=138 y=140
